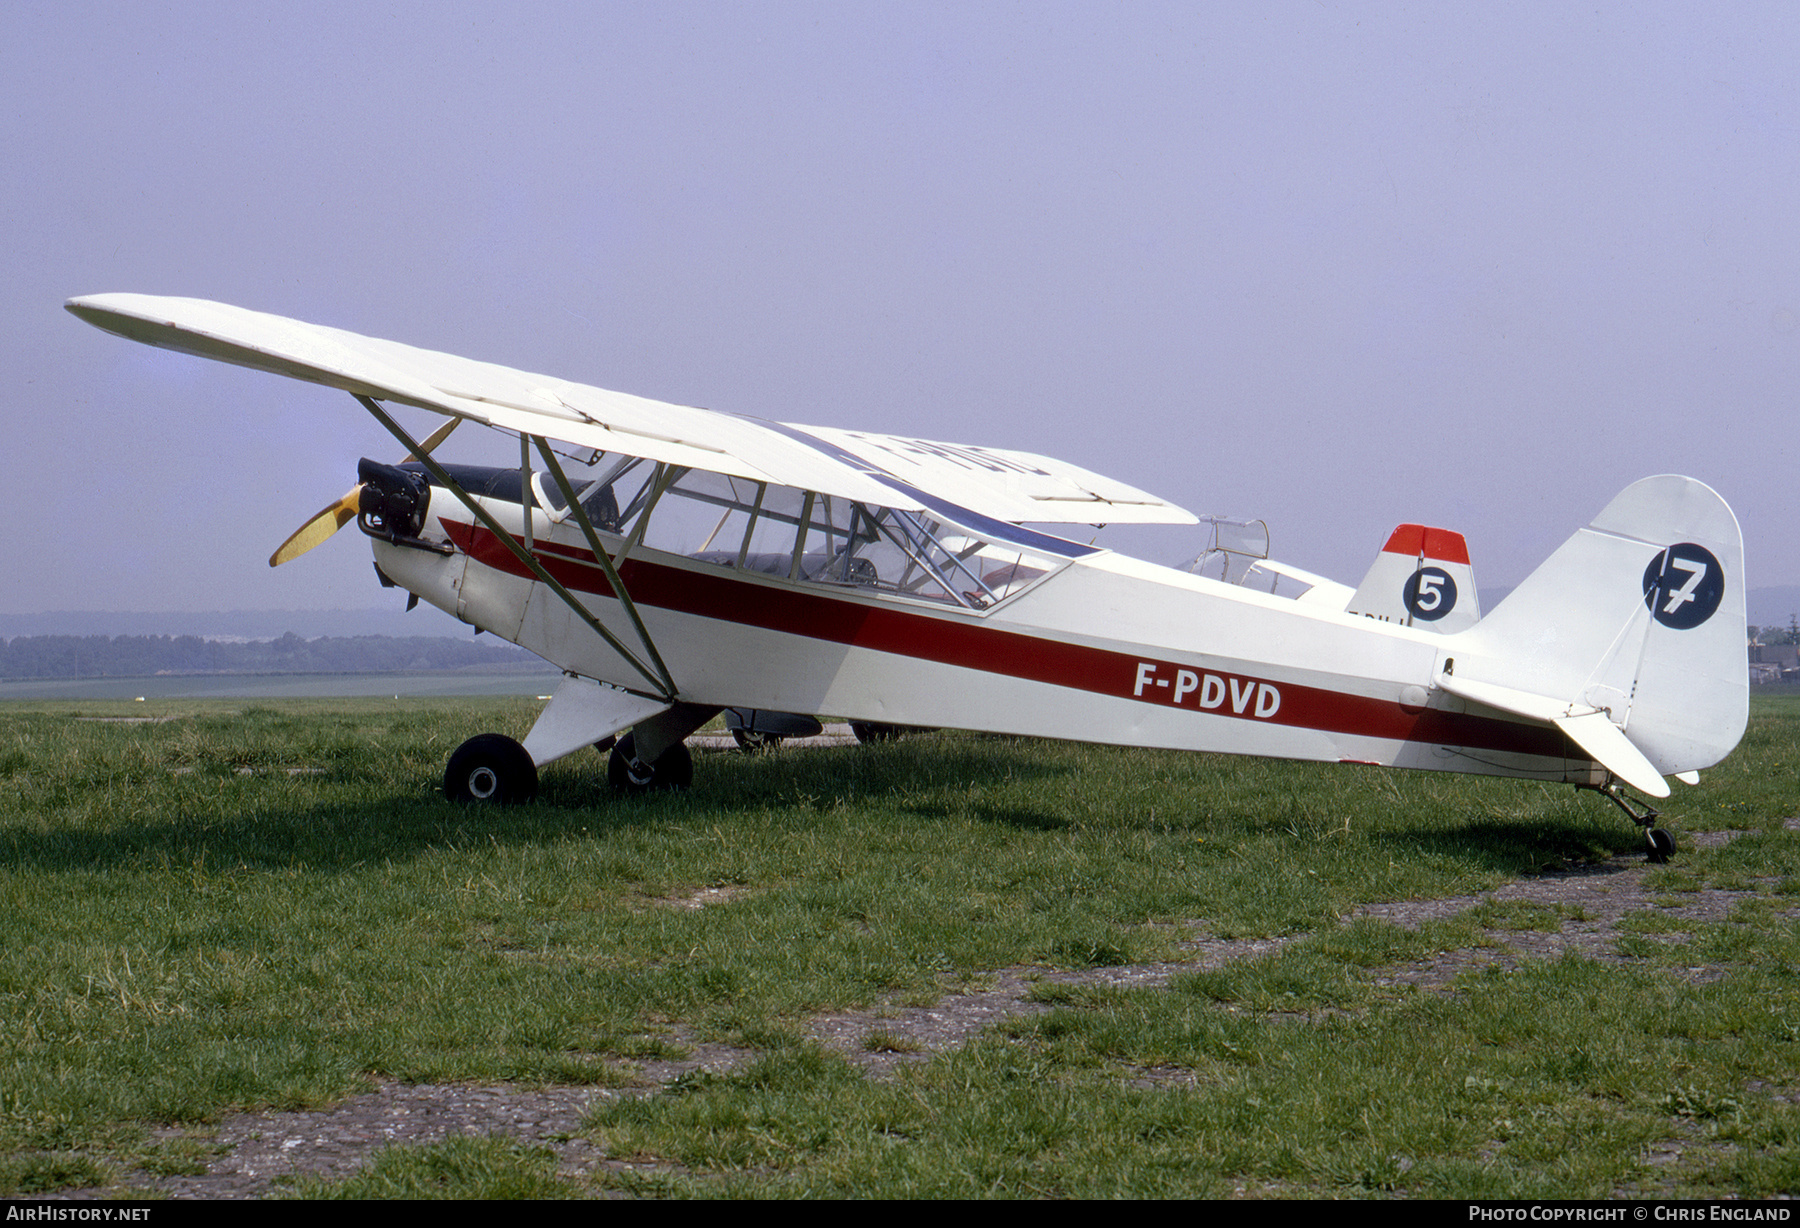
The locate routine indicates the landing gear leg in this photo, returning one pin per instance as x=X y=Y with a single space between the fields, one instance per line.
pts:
x=1661 y=843
x=673 y=769
x=750 y=741
x=665 y=762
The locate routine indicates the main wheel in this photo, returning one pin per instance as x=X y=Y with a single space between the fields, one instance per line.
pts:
x=1662 y=846
x=674 y=769
x=749 y=741
x=491 y=768
x=874 y=731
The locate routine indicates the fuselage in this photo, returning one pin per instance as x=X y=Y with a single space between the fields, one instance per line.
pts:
x=1095 y=647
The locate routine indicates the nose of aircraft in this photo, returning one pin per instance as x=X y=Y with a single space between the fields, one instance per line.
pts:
x=405 y=509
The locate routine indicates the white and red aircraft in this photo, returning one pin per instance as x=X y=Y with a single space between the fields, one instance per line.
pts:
x=675 y=561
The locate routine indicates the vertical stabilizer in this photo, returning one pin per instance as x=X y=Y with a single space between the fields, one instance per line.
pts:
x=1641 y=616
x=1421 y=578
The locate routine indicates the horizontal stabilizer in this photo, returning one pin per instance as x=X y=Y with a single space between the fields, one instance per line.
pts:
x=1588 y=727
x=1595 y=733
x=1509 y=699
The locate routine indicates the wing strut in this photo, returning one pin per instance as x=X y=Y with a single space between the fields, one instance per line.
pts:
x=660 y=680
x=605 y=560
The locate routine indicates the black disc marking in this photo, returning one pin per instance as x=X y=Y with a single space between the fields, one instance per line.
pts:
x=1430 y=594
x=1683 y=586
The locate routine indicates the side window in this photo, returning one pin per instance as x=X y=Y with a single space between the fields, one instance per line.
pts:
x=800 y=535
x=921 y=557
x=602 y=507
x=757 y=531
x=608 y=488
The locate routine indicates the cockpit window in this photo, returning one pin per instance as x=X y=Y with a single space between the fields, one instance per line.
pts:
x=596 y=498
x=779 y=531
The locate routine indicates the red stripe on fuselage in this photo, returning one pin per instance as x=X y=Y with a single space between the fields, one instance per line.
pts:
x=948 y=641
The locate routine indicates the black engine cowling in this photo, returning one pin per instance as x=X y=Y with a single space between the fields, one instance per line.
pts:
x=393 y=501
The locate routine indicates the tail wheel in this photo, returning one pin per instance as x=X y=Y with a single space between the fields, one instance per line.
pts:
x=1662 y=846
x=673 y=769
x=874 y=731
x=490 y=768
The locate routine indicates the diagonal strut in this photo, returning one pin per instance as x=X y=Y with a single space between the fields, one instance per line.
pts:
x=659 y=679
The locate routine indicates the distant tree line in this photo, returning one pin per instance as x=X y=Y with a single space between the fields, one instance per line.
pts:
x=1789 y=634
x=101 y=656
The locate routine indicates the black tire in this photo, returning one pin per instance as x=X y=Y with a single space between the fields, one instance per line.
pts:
x=492 y=769
x=750 y=742
x=1662 y=846
x=673 y=770
x=874 y=731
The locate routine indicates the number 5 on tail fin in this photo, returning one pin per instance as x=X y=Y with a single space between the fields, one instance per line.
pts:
x=1421 y=578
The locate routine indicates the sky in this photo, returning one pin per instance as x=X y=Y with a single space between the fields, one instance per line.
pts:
x=1338 y=266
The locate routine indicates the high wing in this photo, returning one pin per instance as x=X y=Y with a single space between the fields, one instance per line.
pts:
x=894 y=471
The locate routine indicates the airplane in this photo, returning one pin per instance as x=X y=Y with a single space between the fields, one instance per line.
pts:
x=675 y=562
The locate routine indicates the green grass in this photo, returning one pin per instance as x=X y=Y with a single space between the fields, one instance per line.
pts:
x=1552 y=1082
x=461 y=1168
x=270 y=905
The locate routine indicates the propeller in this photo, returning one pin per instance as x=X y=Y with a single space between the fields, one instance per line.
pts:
x=343 y=510
x=320 y=527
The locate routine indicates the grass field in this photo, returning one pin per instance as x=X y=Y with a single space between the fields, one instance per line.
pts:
x=271 y=905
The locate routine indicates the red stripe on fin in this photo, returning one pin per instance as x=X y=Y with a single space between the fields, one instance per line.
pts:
x=1439 y=545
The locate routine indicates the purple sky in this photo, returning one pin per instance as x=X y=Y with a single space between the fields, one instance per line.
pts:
x=1337 y=266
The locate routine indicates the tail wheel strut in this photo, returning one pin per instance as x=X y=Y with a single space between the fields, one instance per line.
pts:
x=1661 y=843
